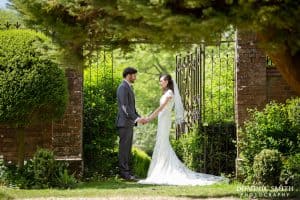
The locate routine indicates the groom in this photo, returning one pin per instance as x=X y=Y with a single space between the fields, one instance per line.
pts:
x=127 y=118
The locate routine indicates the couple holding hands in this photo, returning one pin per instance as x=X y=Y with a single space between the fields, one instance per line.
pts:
x=165 y=167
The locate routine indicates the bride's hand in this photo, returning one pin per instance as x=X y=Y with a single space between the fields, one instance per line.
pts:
x=148 y=119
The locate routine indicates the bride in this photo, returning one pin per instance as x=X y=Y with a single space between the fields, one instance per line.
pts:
x=165 y=167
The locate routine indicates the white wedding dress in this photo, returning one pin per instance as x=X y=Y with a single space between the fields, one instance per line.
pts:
x=165 y=167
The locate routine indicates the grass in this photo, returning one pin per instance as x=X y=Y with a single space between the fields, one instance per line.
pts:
x=117 y=187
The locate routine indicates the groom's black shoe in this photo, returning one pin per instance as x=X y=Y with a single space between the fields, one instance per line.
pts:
x=130 y=178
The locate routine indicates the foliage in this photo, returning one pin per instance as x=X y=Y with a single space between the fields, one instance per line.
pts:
x=33 y=88
x=50 y=173
x=150 y=60
x=267 y=166
x=141 y=162
x=10 y=19
x=64 y=180
x=218 y=100
x=43 y=171
x=99 y=132
x=144 y=137
x=172 y=23
x=276 y=127
x=2 y=171
x=290 y=174
x=114 y=23
x=167 y=21
x=188 y=148
x=208 y=149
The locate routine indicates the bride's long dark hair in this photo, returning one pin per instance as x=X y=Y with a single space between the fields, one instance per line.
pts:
x=167 y=77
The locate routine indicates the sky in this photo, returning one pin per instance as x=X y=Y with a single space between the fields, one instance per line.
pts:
x=2 y=3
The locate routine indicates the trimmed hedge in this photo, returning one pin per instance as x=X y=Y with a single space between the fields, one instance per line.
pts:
x=32 y=86
x=141 y=162
x=267 y=166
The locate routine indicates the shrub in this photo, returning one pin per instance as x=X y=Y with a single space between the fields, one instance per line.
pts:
x=144 y=137
x=44 y=168
x=276 y=127
x=49 y=172
x=267 y=166
x=99 y=132
x=2 y=171
x=188 y=149
x=141 y=162
x=209 y=149
x=290 y=174
x=64 y=180
x=43 y=171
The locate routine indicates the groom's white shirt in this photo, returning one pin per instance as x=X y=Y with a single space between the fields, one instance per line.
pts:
x=124 y=108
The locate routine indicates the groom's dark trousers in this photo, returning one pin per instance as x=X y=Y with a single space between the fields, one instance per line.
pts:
x=125 y=122
x=125 y=145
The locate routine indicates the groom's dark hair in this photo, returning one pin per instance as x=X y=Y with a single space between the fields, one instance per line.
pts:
x=129 y=70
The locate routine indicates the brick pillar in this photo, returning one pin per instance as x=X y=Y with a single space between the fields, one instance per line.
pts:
x=67 y=133
x=250 y=80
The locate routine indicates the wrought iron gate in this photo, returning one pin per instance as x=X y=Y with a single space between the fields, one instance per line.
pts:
x=206 y=82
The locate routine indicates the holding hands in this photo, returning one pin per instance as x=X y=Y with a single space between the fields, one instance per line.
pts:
x=143 y=120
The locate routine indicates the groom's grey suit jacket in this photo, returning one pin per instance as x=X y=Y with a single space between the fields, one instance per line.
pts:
x=126 y=106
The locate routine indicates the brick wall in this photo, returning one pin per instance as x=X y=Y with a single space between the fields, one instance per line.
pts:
x=250 y=76
x=256 y=84
x=276 y=87
x=64 y=137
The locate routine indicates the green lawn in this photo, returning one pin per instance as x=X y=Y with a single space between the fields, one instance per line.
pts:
x=120 y=188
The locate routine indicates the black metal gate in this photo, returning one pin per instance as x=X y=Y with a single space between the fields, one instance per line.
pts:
x=206 y=82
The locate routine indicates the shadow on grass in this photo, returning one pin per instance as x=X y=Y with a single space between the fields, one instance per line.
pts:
x=111 y=184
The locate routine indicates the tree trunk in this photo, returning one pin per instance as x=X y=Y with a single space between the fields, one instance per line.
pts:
x=287 y=64
x=289 y=67
x=21 y=150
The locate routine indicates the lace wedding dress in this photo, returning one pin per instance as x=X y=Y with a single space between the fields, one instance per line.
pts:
x=165 y=167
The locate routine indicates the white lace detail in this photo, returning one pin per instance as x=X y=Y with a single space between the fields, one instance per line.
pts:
x=165 y=167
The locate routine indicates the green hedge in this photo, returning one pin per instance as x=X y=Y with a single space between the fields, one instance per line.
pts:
x=100 y=137
x=267 y=167
x=276 y=127
x=141 y=162
x=32 y=86
x=290 y=174
x=208 y=149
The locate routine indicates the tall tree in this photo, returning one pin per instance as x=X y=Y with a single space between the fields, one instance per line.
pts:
x=276 y=23
x=86 y=24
